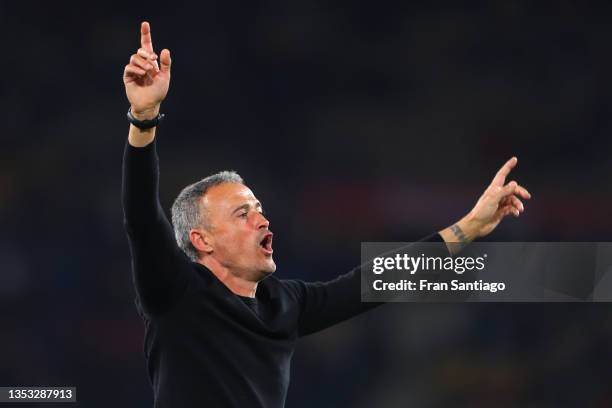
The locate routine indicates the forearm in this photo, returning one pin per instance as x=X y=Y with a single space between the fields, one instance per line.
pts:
x=141 y=169
x=140 y=184
x=460 y=234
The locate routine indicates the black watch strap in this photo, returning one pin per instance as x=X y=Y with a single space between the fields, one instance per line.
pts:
x=144 y=124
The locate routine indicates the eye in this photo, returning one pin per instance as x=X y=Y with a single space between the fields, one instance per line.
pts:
x=243 y=215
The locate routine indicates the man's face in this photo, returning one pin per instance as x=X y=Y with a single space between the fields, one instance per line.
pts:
x=241 y=239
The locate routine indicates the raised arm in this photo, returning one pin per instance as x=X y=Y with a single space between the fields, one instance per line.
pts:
x=161 y=271
x=324 y=304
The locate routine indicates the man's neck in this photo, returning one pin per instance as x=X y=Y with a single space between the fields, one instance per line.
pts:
x=235 y=283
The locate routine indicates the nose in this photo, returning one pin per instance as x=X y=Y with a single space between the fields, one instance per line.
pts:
x=262 y=222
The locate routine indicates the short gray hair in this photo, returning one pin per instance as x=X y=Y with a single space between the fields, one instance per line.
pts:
x=187 y=212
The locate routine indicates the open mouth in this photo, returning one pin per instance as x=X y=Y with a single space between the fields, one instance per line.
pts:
x=266 y=243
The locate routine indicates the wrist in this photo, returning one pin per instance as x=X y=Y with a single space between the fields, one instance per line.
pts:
x=145 y=114
x=470 y=227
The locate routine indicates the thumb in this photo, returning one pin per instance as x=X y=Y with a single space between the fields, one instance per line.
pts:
x=165 y=60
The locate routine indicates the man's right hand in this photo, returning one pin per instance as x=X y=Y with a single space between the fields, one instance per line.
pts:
x=146 y=83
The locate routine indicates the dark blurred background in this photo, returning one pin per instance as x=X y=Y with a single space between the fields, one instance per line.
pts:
x=351 y=121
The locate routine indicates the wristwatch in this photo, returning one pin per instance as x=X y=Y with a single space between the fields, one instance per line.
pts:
x=144 y=124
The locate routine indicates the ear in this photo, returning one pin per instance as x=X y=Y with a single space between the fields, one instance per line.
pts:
x=201 y=240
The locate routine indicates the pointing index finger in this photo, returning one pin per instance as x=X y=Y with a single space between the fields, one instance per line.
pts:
x=500 y=177
x=145 y=37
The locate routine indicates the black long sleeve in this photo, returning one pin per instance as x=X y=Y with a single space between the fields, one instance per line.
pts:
x=324 y=304
x=204 y=345
x=161 y=271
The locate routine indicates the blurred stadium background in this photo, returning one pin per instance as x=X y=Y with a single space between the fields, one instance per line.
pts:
x=351 y=121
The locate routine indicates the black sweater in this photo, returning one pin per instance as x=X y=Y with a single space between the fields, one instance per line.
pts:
x=204 y=345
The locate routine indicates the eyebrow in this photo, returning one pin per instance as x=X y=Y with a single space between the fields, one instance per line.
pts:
x=246 y=207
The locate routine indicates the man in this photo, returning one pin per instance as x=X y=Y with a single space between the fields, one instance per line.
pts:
x=220 y=330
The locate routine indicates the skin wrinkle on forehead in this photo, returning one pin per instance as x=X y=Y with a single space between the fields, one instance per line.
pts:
x=227 y=204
